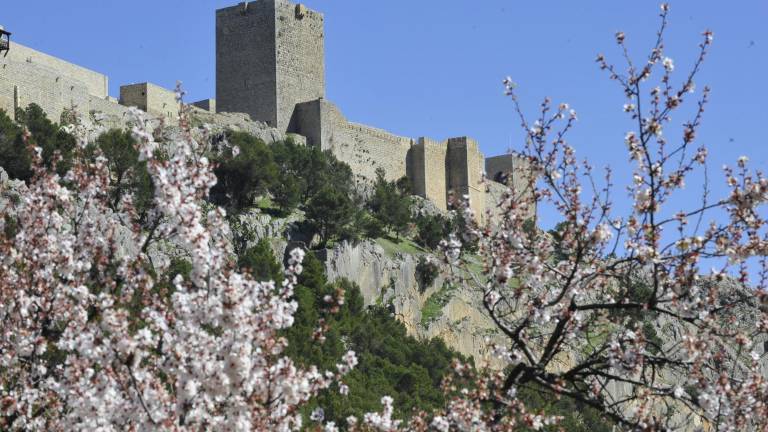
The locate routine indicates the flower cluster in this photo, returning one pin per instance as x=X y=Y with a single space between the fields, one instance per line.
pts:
x=614 y=311
x=91 y=341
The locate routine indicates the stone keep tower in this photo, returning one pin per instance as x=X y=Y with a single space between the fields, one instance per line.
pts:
x=270 y=56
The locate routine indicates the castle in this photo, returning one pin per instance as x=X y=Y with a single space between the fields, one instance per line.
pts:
x=270 y=65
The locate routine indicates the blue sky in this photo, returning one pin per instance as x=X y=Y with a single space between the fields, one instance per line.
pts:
x=434 y=68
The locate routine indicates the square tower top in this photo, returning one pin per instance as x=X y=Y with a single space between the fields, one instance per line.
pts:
x=270 y=56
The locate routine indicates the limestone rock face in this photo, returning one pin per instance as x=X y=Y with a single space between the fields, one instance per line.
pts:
x=390 y=279
x=220 y=122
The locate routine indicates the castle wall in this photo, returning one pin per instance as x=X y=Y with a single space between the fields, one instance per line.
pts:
x=464 y=165
x=150 y=98
x=509 y=170
x=206 y=104
x=427 y=170
x=300 y=58
x=362 y=147
x=270 y=66
x=95 y=84
x=37 y=81
x=246 y=69
x=270 y=63
x=134 y=95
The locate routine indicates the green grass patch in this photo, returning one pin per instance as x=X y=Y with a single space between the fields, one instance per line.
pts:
x=265 y=203
x=392 y=247
x=474 y=265
x=597 y=336
x=434 y=305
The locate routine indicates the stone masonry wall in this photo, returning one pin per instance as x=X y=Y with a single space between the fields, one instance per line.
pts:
x=363 y=148
x=300 y=58
x=24 y=82
x=464 y=166
x=509 y=169
x=270 y=56
x=433 y=167
x=206 y=104
x=95 y=84
x=427 y=170
x=246 y=72
x=151 y=98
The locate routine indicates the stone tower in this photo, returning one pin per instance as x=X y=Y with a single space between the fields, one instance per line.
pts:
x=464 y=171
x=270 y=56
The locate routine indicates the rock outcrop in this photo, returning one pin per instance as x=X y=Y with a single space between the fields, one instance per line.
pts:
x=453 y=313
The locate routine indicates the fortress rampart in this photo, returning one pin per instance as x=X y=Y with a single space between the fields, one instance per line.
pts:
x=95 y=84
x=270 y=65
x=150 y=98
x=29 y=76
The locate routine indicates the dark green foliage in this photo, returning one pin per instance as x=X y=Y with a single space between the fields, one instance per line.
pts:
x=391 y=203
x=286 y=192
x=426 y=273
x=390 y=361
x=312 y=169
x=369 y=226
x=243 y=177
x=261 y=262
x=292 y=174
x=577 y=417
x=431 y=229
x=529 y=227
x=329 y=212
x=128 y=174
x=14 y=154
x=654 y=342
x=14 y=157
x=48 y=136
x=10 y=226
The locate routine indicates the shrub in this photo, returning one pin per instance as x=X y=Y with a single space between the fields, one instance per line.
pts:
x=426 y=272
x=52 y=140
x=244 y=171
x=127 y=173
x=329 y=213
x=391 y=204
x=260 y=261
x=431 y=229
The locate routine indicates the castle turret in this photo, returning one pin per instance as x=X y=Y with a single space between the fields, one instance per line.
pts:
x=270 y=56
x=464 y=172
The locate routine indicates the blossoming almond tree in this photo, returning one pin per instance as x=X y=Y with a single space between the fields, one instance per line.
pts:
x=90 y=340
x=616 y=312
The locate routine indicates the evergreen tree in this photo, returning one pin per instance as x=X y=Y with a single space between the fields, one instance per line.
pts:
x=330 y=212
x=391 y=203
x=128 y=174
x=287 y=192
x=52 y=140
x=14 y=157
x=245 y=175
x=261 y=262
x=431 y=229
